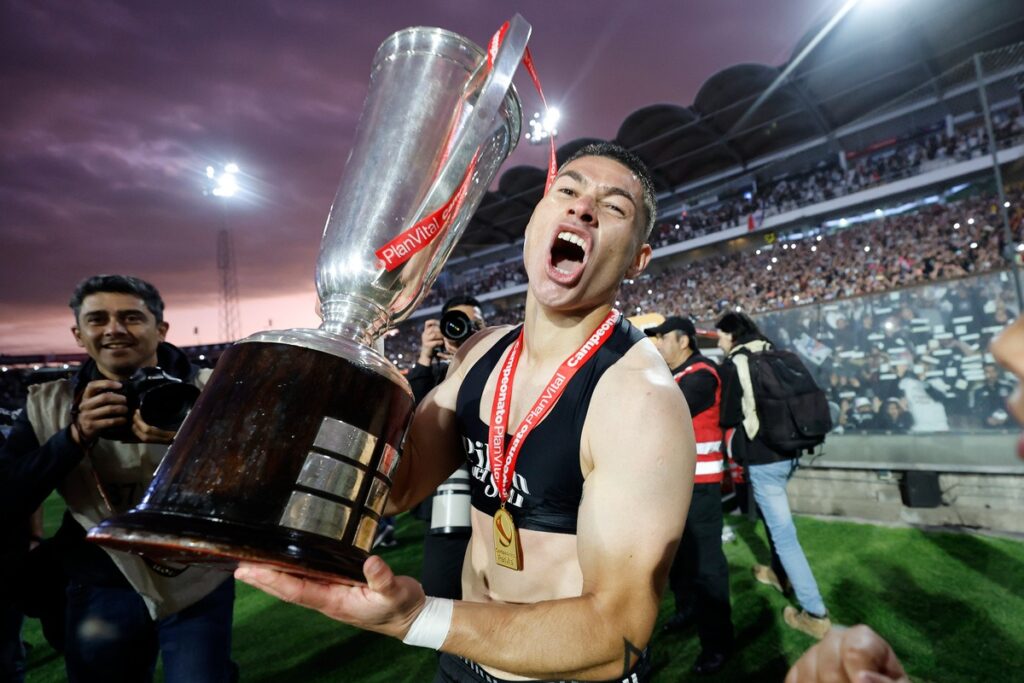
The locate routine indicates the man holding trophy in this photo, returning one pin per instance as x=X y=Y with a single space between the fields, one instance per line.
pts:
x=574 y=526
x=579 y=446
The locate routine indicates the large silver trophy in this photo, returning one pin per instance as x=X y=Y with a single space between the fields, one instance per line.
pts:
x=288 y=454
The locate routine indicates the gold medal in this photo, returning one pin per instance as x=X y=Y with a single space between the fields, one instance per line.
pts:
x=507 y=551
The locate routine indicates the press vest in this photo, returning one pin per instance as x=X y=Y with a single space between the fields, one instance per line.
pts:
x=125 y=470
x=547 y=485
x=707 y=431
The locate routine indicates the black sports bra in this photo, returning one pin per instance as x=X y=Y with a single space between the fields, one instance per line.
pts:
x=547 y=484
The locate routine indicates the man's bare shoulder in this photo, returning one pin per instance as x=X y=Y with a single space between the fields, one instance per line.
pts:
x=637 y=408
x=642 y=369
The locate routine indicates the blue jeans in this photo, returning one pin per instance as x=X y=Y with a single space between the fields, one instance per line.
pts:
x=112 y=638
x=769 y=482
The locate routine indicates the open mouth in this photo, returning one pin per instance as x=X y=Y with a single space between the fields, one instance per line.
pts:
x=568 y=255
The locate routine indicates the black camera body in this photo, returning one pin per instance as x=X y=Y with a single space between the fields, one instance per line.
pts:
x=162 y=400
x=457 y=327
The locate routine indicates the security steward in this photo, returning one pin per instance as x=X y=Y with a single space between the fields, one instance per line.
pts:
x=700 y=574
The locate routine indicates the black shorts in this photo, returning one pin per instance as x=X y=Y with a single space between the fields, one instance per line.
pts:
x=452 y=669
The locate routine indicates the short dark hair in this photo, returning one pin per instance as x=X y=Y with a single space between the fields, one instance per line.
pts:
x=460 y=300
x=119 y=284
x=741 y=326
x=634 y=164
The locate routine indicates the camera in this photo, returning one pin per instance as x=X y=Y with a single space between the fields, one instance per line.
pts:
x=457 y=327
x=162 y=400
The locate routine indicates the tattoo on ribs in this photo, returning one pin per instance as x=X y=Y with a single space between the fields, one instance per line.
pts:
x=630 y=650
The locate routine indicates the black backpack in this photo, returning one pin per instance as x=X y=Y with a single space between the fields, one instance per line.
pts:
x=791 y=407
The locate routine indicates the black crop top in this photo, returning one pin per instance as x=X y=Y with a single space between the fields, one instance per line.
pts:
x=547 y=484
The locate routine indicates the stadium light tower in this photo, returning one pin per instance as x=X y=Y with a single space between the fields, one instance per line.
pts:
x=223 y=186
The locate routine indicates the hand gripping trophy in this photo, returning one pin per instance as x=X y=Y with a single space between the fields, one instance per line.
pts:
x=287 y=456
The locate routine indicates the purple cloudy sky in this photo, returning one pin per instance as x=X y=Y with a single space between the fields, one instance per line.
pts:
x=111 y=112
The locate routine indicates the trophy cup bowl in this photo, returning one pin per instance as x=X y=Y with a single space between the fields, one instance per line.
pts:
x=287 y=456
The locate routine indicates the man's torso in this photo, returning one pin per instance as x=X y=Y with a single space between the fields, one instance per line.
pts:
x=549 y=477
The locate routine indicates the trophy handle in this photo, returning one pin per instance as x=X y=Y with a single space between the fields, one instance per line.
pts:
x=475 y=131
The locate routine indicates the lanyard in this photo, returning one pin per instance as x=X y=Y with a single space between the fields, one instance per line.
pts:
x=503 y=463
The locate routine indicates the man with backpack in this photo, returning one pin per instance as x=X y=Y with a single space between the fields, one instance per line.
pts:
x=777 y=410
x=699 y=577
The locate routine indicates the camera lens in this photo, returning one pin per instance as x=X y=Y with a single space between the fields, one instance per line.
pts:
x=457 y=326
x=166 y=406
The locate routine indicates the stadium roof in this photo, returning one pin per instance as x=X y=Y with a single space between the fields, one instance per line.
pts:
x=875 y=56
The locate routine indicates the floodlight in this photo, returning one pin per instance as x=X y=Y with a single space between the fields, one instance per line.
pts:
x=227 y=182
x=543 y=127
x=551 y=118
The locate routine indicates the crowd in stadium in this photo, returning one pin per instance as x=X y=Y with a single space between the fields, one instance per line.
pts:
x=828 y=180
x=935 y=242
x=909 y=360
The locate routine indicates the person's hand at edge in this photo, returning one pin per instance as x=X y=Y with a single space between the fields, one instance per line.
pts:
x=854 y=655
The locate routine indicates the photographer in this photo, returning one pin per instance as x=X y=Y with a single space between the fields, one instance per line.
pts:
x=441 y=339
x=87 y=439
x=444 y=547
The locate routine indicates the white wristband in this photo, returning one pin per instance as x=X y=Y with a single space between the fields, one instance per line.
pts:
x=430 y=628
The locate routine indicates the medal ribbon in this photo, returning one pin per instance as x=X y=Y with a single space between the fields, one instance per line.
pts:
x=410 y=241
x=503 y=464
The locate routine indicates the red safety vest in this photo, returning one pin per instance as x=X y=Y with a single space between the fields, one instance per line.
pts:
x=710 y=465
